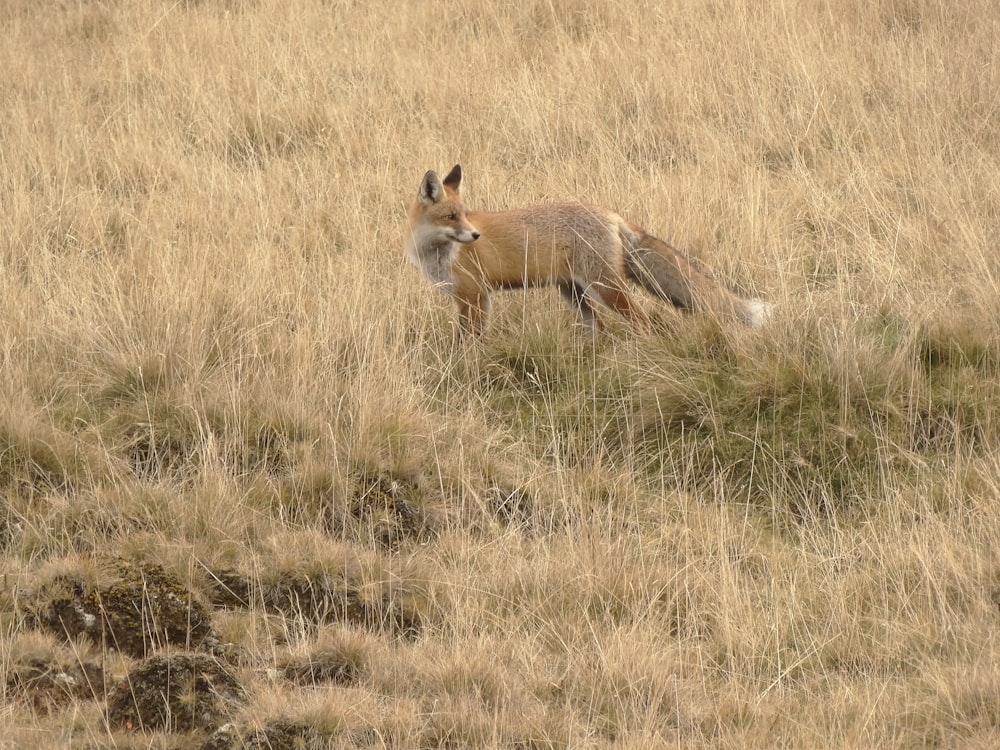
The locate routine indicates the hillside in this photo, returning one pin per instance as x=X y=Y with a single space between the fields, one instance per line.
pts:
x=254 y=494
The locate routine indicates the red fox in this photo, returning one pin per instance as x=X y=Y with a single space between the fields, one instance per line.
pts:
x=586 y=251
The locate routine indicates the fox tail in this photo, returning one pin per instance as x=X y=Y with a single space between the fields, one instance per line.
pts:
x=668 y=274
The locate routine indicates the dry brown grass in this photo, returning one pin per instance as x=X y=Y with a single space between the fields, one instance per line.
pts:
x=214 y=357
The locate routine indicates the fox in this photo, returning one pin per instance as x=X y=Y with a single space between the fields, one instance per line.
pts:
x=587 y=252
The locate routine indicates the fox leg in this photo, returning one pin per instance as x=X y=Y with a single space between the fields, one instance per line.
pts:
x=621 y=302
x=574 y=293
x=473 y=312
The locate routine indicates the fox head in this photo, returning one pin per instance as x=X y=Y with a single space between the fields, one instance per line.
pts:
x=439 y=213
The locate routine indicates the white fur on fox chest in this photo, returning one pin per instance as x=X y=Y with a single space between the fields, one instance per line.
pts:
x=435 y=260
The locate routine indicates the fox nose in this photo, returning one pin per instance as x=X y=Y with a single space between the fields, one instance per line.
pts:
x=475 y=236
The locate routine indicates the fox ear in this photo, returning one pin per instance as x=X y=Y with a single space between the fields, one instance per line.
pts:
x=454 y=178
x=430 y=189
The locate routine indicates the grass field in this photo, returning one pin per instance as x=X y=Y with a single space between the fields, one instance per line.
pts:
x=252 y=493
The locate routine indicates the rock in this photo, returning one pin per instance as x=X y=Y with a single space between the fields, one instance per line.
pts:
x=175 y=692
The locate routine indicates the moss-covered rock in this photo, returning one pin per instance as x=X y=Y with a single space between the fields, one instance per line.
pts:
x=134 y=608
x=50 y=684
x=327 y=596
x=175 y=692
x=389 y=510
x=286 y=733
x=342 y=664
x=293 y=734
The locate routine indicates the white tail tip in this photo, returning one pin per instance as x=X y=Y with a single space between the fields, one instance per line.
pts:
x=757 y=312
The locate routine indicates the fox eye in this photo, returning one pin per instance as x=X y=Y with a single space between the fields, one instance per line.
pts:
x=451 y=217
